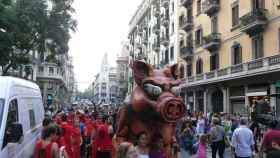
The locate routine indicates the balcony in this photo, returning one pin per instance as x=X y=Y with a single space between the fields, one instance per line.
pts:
x=156 y=12
x=156 y=29
x=141 y=56
x=165 y=21
x=186 y=3
x=156 y=47
x=210 y=7
x=254 y=22
x=212 y=42
x=248 y=69
x=145 y=41
x=164 y=41
x=165 y=3
x=54 y=75
x=187 y=53
x=186 y=24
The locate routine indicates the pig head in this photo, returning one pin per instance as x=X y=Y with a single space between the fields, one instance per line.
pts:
x=155 y=104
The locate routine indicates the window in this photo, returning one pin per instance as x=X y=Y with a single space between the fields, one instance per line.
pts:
x=214 y=61
x=236 y=54
x=199 y=66
x=182 y=71
x=214 y=24
x=51 y=70
x=172 y=27
x=50 y=85
x=257 y=4
x=235 y=15
x=198 y=7
x=166 y=56
x=189 y=40
x=12 y=118
x=182 y=42
x=41 y=69
x=181 y=20
x=32 y=118
x=198 y=37
x=172 y=53
x=189 y=70
x=257 y=45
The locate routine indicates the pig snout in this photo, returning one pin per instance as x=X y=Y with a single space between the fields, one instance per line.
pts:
x=171 y=108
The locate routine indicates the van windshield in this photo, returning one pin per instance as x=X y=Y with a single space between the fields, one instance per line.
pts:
x=2 y=102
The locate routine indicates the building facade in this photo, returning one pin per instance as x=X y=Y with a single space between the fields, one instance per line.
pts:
x=122 y=72
x=55 y=77
x=153 y=36
x=229 y=54
x=105 y=84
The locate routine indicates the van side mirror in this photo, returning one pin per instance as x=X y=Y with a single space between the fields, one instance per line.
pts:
x=15 y=133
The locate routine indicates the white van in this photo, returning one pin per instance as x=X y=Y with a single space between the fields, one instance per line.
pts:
x=21 y=116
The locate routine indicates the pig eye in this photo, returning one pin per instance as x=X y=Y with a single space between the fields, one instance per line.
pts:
x=176 y=90
x=152 y=90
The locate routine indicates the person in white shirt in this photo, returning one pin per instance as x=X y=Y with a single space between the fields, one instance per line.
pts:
x=242 y=141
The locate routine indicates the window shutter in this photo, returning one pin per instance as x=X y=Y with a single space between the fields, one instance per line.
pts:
x=232 y=55
x=261 y=46
x=240 y=54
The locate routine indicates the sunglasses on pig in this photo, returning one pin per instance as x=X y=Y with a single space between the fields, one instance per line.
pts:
x=154 y=91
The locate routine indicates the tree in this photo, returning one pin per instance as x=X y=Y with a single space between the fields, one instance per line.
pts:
x=31 y=25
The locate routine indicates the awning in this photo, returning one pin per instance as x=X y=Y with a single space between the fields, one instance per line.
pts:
x=275 y=95
x=253 y=94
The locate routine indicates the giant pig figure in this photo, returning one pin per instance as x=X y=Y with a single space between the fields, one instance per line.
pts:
x=155 y=105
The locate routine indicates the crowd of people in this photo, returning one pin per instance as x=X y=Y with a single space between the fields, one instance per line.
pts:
x=90 y=133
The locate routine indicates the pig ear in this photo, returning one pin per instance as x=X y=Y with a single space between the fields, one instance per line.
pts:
x=174 y=71
x=141 y=70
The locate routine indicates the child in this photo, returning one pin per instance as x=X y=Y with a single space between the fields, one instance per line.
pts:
x=202 y=146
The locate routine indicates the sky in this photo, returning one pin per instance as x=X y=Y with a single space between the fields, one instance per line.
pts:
x=102 y=26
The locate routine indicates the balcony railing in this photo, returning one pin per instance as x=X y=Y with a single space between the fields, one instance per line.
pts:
x=156 y=12
x=141 y=56
x=164 y=41
x=165 y=20
x=236 y=68
x=187 y=23
x=212 y=42
x=262 y=65
x=254 y=22
x=210 y=7
x=156 y=47
x=165 y=3
x=156 y=29
x=186 y=3
x=187 y=53
x=53 y=75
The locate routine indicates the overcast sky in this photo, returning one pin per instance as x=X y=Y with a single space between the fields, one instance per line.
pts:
x=102 y=26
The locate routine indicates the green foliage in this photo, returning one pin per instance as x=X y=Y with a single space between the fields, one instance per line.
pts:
x=32 y=25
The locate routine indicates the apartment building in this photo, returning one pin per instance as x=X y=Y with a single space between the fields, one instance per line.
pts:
x=55 y=77
x=153 y=36
x=152 y=32
x=229 y=54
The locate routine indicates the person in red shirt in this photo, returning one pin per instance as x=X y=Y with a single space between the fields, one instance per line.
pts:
x=45 y=148
x=271 y=135
x=102 y=147
x=67 y=135
x=89 y=134
x=77 y=139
